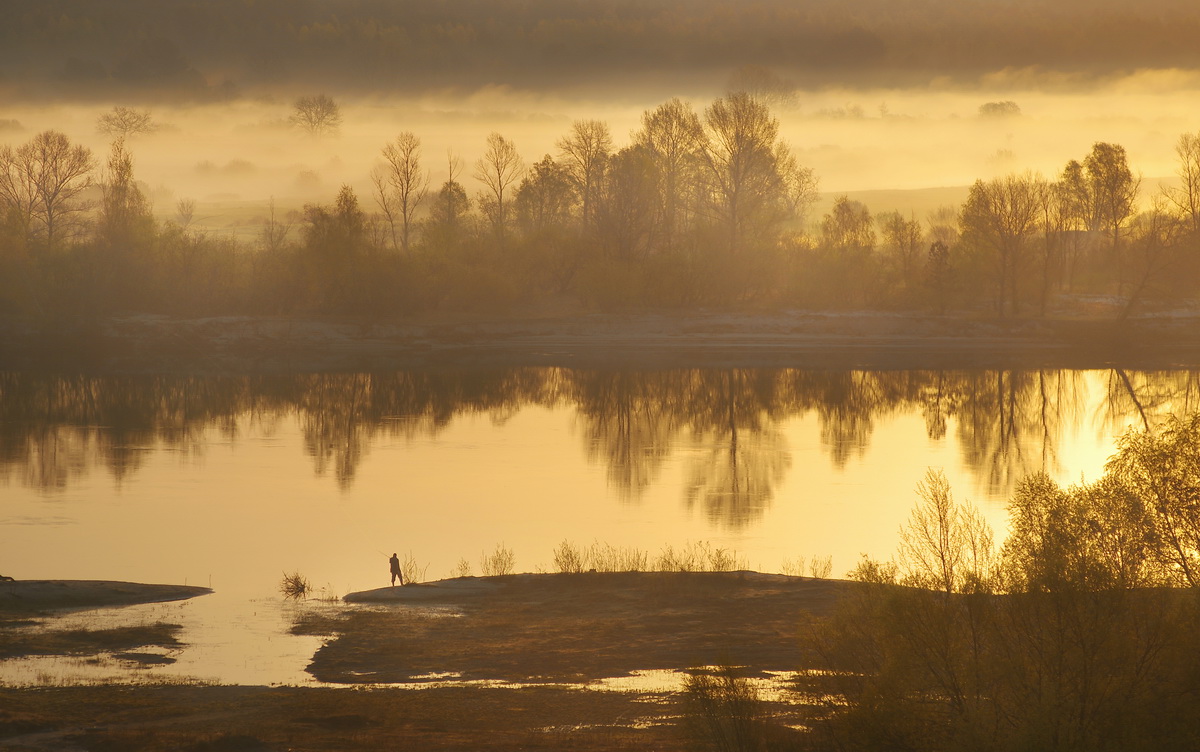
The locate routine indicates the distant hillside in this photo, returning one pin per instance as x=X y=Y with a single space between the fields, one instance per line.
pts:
x=216 y=48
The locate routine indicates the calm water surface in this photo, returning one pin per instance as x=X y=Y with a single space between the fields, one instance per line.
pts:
x=230 y=481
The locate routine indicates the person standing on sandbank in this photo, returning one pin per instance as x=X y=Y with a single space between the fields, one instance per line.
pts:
x=395 y=562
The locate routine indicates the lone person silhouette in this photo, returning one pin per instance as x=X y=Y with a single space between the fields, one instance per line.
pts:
x=395 y=562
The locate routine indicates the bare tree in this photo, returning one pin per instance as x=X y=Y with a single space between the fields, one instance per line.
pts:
x=1114 y=191
x=125 y=223
x=740 y=157
x=274 y=232
x=902 y=238
x=41 y=181
x=1187 y=196
x=449 y=206
x=185 y=211
x=123 y=122
x=999 y=219
x=586 y=151
x=674 y=136
x=401 y=185
x=317 y=114
x=498 y=168
x=848 y=226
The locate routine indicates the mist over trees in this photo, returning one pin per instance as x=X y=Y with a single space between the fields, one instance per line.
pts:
x=212 y=48
x=698 y=207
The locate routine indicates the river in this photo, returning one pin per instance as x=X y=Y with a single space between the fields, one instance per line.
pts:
x=229 y=482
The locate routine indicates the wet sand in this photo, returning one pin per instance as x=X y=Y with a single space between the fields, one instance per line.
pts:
x=866 y=340
x=24 y=596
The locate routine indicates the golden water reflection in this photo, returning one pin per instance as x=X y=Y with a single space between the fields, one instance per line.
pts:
x=727 y=425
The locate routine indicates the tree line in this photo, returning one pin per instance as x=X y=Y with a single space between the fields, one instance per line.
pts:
x=700 y=208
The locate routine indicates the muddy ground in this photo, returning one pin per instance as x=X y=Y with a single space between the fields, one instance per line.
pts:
x=573 y=627
x=505 y=663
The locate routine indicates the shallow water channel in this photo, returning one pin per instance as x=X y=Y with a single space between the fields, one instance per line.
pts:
x=229 y=482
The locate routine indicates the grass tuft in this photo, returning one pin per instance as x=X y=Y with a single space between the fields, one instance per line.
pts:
x=295 y=586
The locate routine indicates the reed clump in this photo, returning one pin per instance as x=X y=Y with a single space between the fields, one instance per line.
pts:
x=295 y=586
x=698 y=556
x=499 y=562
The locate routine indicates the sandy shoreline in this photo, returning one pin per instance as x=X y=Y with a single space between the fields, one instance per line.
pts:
x=41 y=595
x=233 y=344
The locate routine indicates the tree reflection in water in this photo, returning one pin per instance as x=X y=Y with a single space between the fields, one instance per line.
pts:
x=729 y=425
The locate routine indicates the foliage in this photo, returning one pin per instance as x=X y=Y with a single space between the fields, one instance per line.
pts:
x=1157 y=475
x=1066 y=641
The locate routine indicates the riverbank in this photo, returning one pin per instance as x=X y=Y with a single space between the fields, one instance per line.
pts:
x=571 y=628
x=866 y=340
x=503 y=663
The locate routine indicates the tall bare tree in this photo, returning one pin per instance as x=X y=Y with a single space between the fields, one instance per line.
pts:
x=41 y=182
x=999 y=219
x=585 y=151
x=673 y=135
x=449 y=206
x=740 y=157
x=1187 y=196
x=903 y=240
x=125 y=220
x=498 y=169
x=401 y=186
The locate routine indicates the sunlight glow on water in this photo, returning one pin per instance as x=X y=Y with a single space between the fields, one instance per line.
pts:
x=235 y=500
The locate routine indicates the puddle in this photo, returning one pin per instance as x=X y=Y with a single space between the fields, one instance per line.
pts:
x=227 y=640
x=233 y=641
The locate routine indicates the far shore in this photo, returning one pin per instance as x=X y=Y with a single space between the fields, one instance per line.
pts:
x=796 y=339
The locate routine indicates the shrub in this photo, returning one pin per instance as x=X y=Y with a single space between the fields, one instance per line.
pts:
x=723 y=711
x=295 y=586
x=498 y=562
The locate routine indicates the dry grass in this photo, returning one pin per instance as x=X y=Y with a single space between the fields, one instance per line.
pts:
x=295 y=586
x=411 y=570
x=698 y=556
x=499 y=562
x=819 y=567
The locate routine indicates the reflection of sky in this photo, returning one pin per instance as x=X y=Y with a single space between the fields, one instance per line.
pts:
x=226 y=639
x=235 y=513
x=234 y=510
